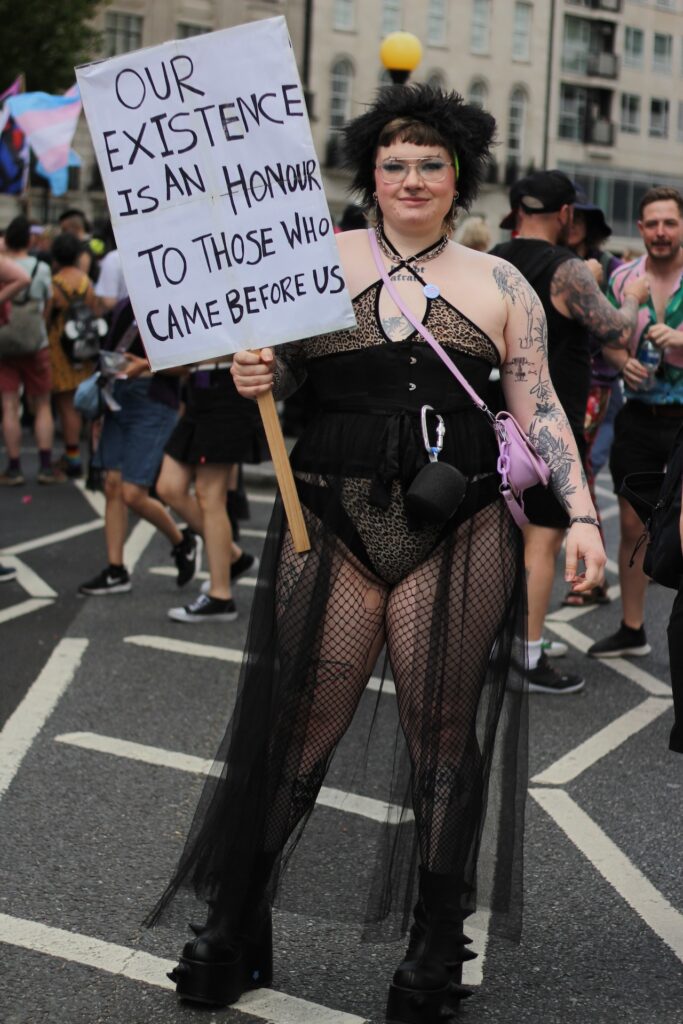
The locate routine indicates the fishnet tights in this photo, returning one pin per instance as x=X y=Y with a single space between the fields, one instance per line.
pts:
x=440 y=624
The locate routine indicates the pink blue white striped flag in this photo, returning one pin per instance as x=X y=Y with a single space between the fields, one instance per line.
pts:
x=49 y=123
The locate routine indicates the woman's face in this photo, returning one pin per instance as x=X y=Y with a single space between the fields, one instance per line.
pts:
x=578 y=230
x=414 y=204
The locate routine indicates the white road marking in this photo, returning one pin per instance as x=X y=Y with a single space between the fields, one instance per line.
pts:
x=231 y=654
x=23 y=608
x=163 y=643
x=168 y=570
x=53 y=538
x=24 y=724
x=337 y=799
x=28 y=579
x=95 y=499
x=139 y=538
x=620 y=665
x=260 y=499
x=624 y=877
x=602 y=742
x=136 y=965
x=477 y=927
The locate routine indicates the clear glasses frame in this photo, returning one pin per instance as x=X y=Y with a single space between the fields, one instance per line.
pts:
x=431 y=169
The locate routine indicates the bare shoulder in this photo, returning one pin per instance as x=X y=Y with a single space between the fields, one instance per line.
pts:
x=511 y=285
x=350 y=243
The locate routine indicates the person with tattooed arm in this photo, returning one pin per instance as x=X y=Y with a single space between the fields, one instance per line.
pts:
x=445 y=597
x=646 y=427
x=575 y=308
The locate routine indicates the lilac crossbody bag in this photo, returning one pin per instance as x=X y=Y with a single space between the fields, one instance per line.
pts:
x=519 y=464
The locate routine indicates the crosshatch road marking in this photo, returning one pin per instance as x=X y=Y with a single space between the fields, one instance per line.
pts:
x=34 y=604
x=231 y=654
x=337 y=799
x=168 y=570
x=602 y=743
x=136 y=965
x=614 y=866
x=22 y=727
x=620 y=665
x=53 y=538
x=29 y=580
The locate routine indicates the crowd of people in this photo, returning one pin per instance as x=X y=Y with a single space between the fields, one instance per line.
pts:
x=584 y=347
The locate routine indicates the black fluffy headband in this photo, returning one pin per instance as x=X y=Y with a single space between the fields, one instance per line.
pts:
x=466 y=130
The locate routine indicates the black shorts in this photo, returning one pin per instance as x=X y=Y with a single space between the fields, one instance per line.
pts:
x=643 y=439
x=540 y=504
x=219 y=426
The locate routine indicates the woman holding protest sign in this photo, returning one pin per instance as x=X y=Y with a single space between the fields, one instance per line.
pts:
x=441 y=587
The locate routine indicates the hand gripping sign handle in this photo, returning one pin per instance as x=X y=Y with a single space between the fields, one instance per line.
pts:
x=283 y=472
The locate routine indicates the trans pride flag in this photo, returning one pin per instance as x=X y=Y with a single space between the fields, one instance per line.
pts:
x=14 y=160
x=49 y=123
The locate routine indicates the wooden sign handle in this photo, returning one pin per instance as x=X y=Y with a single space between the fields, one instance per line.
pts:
x=283 y=472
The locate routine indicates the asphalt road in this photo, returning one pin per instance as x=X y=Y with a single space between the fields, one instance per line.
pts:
x=108 y=713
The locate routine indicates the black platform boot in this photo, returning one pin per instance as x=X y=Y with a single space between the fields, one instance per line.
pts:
x=224 y=961
x=427 y=986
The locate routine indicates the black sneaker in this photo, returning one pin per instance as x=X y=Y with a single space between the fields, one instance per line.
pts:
x=12 y=478
x=627 y=641
x=205 y=608
x=545 y=679
x=243 y=564
x=187 y=556
x=112 y=580
x=7 y=574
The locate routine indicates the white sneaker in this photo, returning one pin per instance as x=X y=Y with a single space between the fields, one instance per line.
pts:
x=554 y=648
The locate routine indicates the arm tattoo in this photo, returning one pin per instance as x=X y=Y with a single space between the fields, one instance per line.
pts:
x=511 y=284
x=574 y=284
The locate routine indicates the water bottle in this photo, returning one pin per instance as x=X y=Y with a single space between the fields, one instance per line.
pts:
x=650 y=356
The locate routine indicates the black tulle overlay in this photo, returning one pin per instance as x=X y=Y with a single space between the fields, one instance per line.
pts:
x=443 y=602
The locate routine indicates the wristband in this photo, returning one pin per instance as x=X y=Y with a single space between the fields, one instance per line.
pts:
x=589 y=520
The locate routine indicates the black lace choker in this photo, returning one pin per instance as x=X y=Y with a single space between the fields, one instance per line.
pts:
x=430 y=253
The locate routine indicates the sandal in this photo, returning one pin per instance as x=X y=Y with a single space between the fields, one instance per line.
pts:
x=578 y=599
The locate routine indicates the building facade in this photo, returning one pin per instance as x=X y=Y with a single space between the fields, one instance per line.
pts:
x=594 y=87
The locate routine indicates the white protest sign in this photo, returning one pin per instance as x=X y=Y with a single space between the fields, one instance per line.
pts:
x=215 y=193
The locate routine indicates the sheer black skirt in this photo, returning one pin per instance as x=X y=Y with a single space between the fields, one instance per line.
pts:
x=446 y=606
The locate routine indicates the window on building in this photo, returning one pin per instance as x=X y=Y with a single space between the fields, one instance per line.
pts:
x=634 y=47
x=480 y=28
x=122 y=33
x=516 y=124
x=436 y=23
x=478 y=93
x=436 y=79
x=630 y=113
x=572 y=113
x=521 y=31
x=659 y=118
x=662 y=50
x=392 y=16
x=185 y=30
x=576 y=44
x=341 y=81
x=343 y=14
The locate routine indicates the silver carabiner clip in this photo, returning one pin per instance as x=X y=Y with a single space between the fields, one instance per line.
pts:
x=433 y=450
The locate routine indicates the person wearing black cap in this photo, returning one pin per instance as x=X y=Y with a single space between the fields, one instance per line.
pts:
x=542 y=209
x=588 y=234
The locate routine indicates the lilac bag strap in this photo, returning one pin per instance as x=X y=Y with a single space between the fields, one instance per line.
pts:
x=421 y=329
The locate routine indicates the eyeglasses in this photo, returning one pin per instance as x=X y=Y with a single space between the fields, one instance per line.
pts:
x=431 y=169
